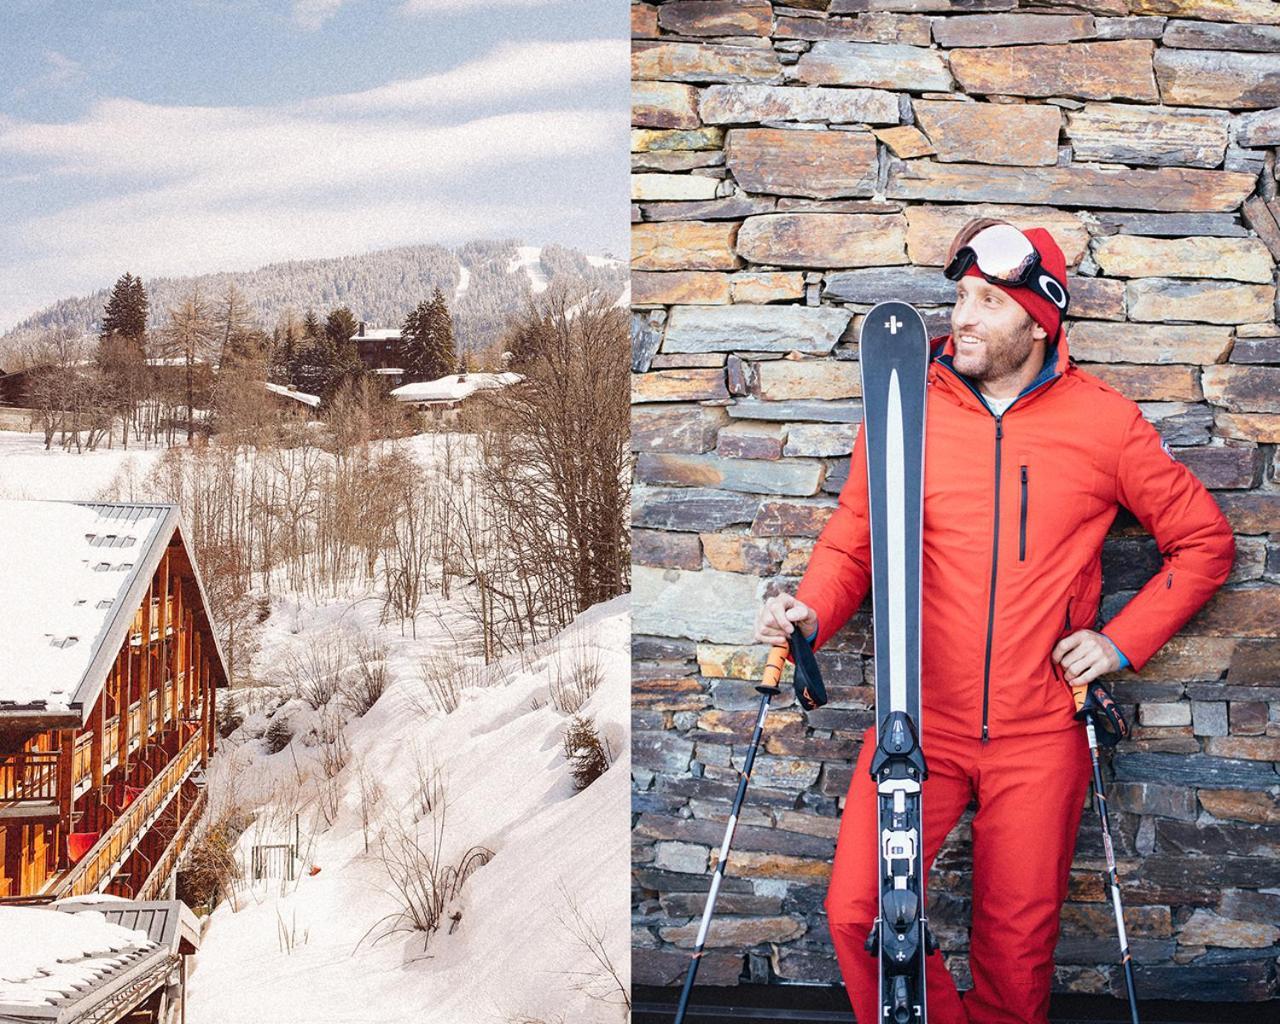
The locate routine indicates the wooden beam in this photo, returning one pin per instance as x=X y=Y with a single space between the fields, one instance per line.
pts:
x=66 y=756
x=126 y=685
x=162 y=644
x=144 y=715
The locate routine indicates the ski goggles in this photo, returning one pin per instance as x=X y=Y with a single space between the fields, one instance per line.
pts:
x=1004 y=255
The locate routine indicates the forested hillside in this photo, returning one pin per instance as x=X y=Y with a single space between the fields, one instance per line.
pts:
x=482 y=282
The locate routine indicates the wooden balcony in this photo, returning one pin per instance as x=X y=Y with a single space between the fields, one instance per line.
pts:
x=29 y=786
x=96 y=868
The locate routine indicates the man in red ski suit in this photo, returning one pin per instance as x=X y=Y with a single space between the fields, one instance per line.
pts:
x=1027 y=459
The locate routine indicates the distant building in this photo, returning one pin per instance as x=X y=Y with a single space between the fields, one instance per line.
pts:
x=292 y=397
x=444 y=398
x=110 y=666
x=378 y=347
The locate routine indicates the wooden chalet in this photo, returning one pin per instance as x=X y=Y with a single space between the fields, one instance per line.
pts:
x=378 y=347
x=110 y=668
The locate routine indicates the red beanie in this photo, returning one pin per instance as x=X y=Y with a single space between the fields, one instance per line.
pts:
x=1040 y=309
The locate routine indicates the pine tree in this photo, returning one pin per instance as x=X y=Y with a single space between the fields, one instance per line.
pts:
x=125 y=314
x=427 y=340
x=311 y=325
x=340 y=327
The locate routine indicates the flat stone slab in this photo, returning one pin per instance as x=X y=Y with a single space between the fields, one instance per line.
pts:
x=1170 y=189
x=742 y=328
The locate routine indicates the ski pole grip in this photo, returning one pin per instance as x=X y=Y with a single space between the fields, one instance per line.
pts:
x=1079 y=692
x=773 y=670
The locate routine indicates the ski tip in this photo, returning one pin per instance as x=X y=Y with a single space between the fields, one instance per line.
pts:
x=894 y=320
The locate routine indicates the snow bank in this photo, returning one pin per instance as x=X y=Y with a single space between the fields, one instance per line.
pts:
x=298 y=396
x=293 y=951
x=455 y=387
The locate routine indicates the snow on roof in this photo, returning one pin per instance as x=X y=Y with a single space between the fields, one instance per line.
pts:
x=297 y=396
x=378 y=334
x=61 y=955
x=70 y=573
x=454 y=388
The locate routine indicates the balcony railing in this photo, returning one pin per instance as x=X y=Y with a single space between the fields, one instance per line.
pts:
x=29 y=776
x=155 y=883
x=96 y=867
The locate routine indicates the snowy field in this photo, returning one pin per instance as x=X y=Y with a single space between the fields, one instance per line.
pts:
x=28 y=471
x=536 y=920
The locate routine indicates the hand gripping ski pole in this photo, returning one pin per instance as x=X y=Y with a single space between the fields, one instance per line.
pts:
x=1085 y=708
x=811 y=694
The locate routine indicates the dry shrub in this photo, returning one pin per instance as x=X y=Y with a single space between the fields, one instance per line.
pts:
x=446 y=677
x=421 y=881
x=315 y=672
x=371 y=676
x=588 y=758
x=209 y=869
x=333 y=756
x=605 y=981
x=577 y=674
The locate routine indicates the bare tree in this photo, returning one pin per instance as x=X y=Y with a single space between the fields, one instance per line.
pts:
x=191 y=335
x=556 y=469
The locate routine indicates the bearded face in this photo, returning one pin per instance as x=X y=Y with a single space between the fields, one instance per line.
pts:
x=994 y=336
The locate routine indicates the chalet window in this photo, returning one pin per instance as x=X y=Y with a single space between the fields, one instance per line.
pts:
x=64 y=641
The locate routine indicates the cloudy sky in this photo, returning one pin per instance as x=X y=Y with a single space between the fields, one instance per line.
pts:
x=172 y=137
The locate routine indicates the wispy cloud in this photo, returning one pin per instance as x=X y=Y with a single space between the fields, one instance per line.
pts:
x=60 y=72
x=510 y=70
x=182 y=189
x=312 y=14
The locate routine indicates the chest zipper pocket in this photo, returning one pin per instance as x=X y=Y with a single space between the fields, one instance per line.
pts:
x=1022 y=517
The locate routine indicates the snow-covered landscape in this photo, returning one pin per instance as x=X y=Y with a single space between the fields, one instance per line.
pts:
x=441 y=861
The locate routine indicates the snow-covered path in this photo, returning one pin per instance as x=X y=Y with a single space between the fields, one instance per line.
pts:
x=529 y=258
x=464 y=282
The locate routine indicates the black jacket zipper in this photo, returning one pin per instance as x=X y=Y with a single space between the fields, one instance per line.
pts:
x=991 y=607
x=1022 y=519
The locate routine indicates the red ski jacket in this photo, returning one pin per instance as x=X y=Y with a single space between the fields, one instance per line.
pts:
x=1015 y=511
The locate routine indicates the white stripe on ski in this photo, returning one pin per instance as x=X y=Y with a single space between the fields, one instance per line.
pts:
x=896 y=543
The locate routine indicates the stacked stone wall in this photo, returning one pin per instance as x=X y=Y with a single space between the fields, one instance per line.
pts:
x=792 y=165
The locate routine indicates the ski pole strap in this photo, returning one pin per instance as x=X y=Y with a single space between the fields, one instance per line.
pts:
x=810 y=691
x=1094 y=700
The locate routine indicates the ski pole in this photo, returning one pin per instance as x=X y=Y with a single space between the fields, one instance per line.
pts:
x=768 y=689
x=1080 y=693
x=811 y=694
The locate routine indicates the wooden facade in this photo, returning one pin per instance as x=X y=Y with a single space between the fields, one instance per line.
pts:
x=104 y=796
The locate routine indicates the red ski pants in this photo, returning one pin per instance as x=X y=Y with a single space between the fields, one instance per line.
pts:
x=1030 y=795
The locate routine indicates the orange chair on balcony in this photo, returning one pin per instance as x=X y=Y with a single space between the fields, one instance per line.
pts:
x=80 y=843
